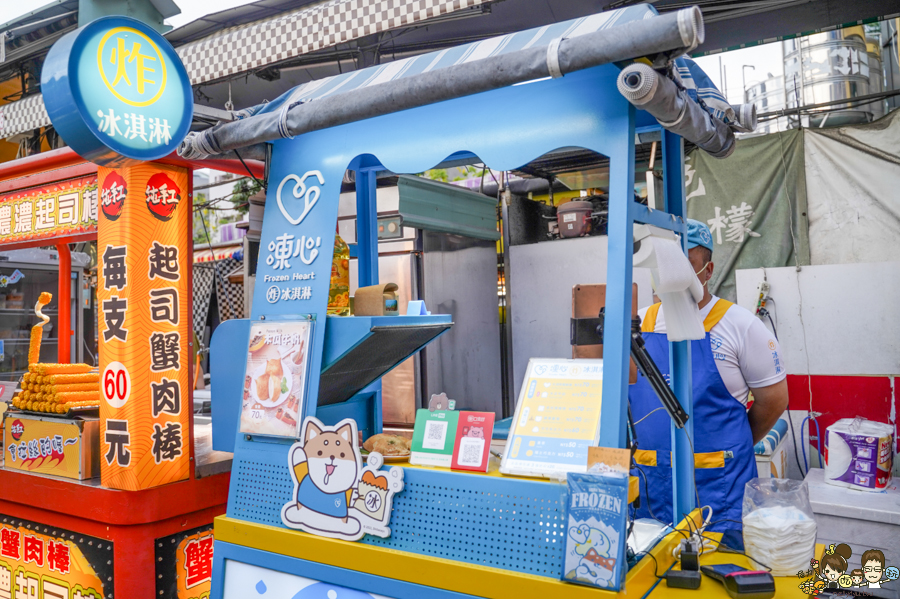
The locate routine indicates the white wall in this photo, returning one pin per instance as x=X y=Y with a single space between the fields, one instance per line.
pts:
x=540 y=294
x=843 y=319
x=850 y=326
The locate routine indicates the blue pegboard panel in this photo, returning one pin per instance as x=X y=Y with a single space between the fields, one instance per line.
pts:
x=505 y=523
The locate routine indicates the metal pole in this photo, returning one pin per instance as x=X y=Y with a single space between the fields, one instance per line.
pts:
x=744 y=81
x=619 y=264
x=64 y=299
x=679 y=353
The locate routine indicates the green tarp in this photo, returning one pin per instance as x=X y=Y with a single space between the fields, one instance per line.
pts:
x=754 y=203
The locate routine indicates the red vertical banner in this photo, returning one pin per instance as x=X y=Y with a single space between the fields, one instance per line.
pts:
x=144 y=257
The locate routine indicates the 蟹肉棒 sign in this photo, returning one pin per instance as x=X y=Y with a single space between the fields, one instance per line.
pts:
x=184 y=564
x=143 y=255
x=37 y=560
x=117 y=92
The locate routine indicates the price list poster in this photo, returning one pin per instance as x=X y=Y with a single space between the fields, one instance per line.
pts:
x=557 y=417
x=145 y=256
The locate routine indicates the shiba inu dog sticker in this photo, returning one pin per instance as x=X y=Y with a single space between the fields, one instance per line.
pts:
x=334 y=495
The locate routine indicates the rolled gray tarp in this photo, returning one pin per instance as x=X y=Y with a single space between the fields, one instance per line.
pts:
x=745 y=118
x=673 y=33
x=676 y=112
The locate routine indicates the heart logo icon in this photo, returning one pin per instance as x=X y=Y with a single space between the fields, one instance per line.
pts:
x=310 y=195
x=540 y=369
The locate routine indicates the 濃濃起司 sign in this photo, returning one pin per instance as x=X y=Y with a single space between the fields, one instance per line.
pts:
x=117 y=92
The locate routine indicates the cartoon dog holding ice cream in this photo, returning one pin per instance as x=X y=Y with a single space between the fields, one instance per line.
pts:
x=325 y=467
x=334 y=496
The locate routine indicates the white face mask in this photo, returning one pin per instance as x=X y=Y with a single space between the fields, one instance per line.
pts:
x=701 y=270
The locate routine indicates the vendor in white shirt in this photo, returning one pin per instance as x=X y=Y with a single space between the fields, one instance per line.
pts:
x=739 y=355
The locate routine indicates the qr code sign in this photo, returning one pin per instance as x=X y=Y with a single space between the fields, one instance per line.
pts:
x=471 y=452
x=435 y=435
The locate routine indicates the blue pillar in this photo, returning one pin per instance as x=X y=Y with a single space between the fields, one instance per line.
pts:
x=617 y=328
x=367 y=259
x=366 y=227
x=683 y=495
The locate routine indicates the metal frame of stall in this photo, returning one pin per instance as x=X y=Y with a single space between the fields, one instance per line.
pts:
x=447 y=526
x=130 y=520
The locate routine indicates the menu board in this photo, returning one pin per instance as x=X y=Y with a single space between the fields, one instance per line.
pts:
x=557 y=418
x=275 y=379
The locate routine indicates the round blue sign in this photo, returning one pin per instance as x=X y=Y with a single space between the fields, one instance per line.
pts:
x=117 y=92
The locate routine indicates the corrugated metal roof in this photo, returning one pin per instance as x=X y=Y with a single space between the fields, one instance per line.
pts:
x=215 y=23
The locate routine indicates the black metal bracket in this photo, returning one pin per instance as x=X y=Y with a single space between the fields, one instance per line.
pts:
x=586 y=331
x=589 y=331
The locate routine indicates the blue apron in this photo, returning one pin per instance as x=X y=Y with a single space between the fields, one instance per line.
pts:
x=723 y=443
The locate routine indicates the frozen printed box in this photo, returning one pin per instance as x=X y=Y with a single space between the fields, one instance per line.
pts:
x=595 y=530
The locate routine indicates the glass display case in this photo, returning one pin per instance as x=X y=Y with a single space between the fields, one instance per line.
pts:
x=23 y=276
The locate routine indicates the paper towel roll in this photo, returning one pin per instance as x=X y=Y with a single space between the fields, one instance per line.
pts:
x=859 y=454
x=675 y=283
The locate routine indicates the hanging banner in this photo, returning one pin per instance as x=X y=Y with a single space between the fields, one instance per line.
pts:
x=754 y=203
x=184 y=564
x=60 y=564
x=144 y=259
x=49 y=211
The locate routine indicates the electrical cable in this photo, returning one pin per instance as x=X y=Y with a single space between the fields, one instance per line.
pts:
x=209 y=242
x=802 y=444
x=693 y=453
x=647 y=495
x=797 y=267
x=723 y=548
x=774 y=330
x=818 y=441
x=249 y=172
x=794 y=439
x=648 y=415
x=655 y=563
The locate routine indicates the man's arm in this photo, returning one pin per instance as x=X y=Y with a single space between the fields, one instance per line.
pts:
x=769 y=403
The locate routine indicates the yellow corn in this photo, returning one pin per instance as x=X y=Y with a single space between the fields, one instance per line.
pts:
x=82 y=404
x=70 y=379
x=54 y=389
x=77 y=396
x=45 y=369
